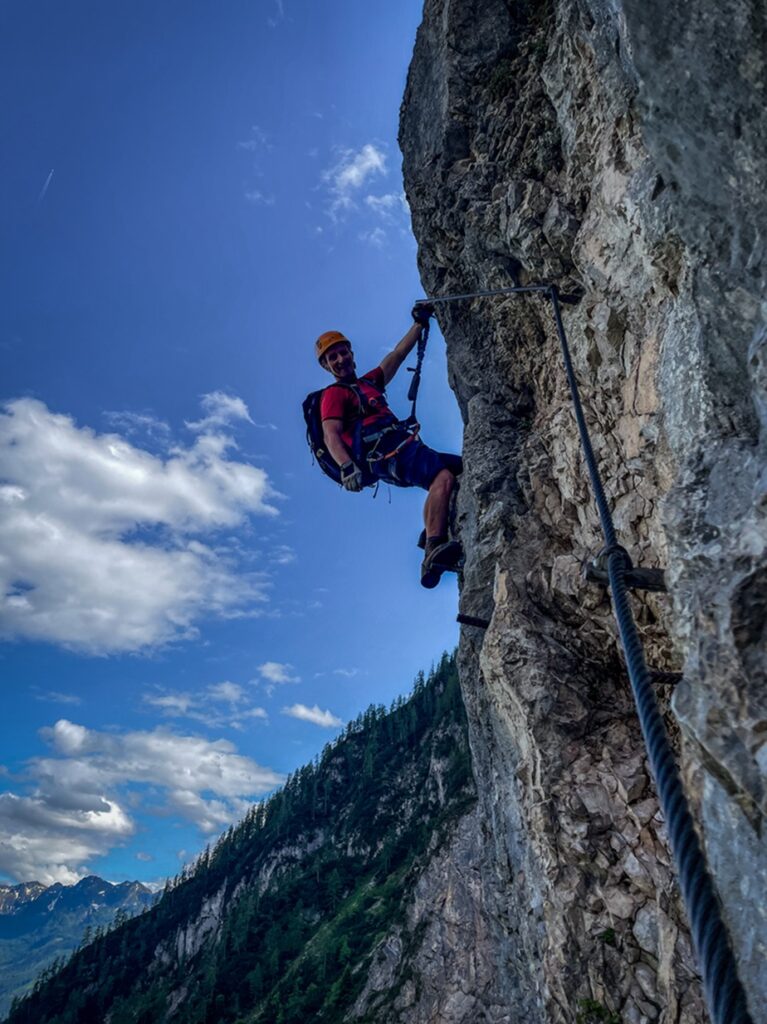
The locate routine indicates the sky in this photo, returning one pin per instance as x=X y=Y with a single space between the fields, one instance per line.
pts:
x=191 y=193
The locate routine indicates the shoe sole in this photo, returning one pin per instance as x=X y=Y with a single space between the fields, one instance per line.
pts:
x=431 y=577
x=433 y=574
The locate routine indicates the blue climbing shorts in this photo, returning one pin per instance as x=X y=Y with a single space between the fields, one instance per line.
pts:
x=415 y=465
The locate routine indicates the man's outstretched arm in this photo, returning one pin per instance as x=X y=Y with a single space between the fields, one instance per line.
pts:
x=391 y=363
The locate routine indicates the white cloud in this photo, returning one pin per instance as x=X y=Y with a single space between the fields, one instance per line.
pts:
x=375 y=237
x=283 y=554
x=133 y=424
x=388 y=206
x=221 y=410
x=277 y=672
x=232 y=693
x=205 y=705
x=173 y=704
x=100 y=547
x=56 y=697
x=350 y=173
x=348 y=673
x=47 y=843
x=314 y=715
x=77 y=810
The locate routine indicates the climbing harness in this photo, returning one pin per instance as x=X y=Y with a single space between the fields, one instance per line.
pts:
x=724 y=993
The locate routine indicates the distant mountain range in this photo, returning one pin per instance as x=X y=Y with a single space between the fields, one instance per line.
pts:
x=40 y=923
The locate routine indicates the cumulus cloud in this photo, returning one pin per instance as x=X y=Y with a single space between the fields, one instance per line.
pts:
x=221 y=410
x=101 y=541
x=278 y=672
x=232 y=693
x=314 y=715
x=274 y=673
x=77 y=808
x=351 y=171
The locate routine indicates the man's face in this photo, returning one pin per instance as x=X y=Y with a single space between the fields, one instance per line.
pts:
x=339 y=360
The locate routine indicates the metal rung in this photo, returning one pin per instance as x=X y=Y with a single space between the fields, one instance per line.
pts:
x=636 y=579
x=472 y=620
x=666 y=678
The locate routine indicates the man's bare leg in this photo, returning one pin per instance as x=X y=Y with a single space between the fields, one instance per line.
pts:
x=437 y=507
x=442 y=554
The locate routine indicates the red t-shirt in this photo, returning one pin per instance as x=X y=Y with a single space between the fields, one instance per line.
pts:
x=339 y=402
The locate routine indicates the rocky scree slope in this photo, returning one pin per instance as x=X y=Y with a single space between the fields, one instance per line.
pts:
x=619 y=150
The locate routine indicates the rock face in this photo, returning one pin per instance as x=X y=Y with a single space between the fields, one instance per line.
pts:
x=618 y=149
x=438 y=965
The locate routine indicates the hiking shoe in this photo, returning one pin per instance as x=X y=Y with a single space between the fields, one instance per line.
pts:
x=441 y=558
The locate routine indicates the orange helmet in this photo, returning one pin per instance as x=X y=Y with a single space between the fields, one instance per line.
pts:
x=328 y=340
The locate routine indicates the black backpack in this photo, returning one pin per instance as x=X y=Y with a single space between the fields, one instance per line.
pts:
x=316 y=440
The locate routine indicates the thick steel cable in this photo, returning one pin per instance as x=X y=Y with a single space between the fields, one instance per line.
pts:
x=723 y=991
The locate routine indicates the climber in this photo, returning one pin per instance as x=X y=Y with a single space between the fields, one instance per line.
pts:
x=369 y=443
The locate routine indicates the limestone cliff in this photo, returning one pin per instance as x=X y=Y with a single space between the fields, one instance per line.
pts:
x=617 y=148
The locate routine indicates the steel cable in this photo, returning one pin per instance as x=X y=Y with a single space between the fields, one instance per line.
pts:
x=722 y=988
x=723 y=991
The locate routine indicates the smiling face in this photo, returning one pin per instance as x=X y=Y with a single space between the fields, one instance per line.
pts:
x=339 y=360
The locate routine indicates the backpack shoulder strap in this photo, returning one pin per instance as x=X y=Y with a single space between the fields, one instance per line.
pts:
x=364 y=405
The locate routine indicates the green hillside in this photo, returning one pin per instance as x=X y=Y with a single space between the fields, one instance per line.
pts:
x=277 y=924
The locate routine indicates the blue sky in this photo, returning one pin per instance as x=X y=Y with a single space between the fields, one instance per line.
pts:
x=191 y=193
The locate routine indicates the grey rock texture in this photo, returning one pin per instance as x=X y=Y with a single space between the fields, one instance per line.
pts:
x=620 y=149
x=438 y=966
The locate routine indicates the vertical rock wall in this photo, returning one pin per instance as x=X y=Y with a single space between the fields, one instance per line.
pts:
x=619 y=149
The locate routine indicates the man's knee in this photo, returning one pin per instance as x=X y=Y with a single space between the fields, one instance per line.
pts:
x=443 y=483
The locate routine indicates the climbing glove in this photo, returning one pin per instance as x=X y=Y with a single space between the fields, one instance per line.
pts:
x=351 y=476
x=421 y=312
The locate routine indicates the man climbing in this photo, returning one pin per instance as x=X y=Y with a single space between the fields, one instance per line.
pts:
x=369 y=443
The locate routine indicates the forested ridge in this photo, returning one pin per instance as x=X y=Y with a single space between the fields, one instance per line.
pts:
x=278 y=922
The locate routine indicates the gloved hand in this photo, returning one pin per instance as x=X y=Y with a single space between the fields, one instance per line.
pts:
x=351 y=476
x=421 y=312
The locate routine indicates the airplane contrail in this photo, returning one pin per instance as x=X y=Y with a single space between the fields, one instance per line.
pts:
x=44 y=189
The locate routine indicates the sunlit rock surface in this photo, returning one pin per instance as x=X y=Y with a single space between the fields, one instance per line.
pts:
x=619 y=150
